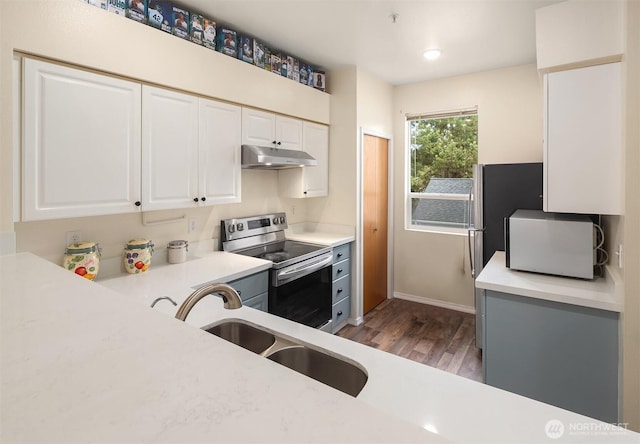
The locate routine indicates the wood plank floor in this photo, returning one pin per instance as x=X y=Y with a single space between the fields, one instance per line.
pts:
x=434 y=336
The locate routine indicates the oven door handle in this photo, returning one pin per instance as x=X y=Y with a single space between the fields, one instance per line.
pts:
x=305 y=269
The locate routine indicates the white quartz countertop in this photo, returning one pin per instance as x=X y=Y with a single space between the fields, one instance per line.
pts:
x=600 y=293
x=330 y=235
x=81 y=363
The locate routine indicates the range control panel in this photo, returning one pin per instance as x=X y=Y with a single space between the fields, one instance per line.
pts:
x=231 y=229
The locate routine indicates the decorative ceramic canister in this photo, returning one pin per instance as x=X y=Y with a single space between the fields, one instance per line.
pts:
x=137 y=255
x=177 y=251
x=83 y=258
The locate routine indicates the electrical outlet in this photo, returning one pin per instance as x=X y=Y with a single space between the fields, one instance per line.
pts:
x=73 y=237
x=193 y=225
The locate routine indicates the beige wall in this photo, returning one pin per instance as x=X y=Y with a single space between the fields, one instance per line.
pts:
x=631 y=315
x=86 y=36
x=431 y=265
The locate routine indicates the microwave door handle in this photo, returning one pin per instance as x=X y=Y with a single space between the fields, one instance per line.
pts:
x=289 y=274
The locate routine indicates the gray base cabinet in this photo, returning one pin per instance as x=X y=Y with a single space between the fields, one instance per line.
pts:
x=341 y=286
x=253 y=290
x=560 y=354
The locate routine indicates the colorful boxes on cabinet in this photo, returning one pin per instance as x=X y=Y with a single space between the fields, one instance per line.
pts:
x=189 y=25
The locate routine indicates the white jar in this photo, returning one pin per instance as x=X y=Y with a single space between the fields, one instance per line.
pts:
x=177 y=251
x=137 y=255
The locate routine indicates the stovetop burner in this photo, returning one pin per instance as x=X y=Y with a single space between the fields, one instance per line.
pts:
x=277 y=256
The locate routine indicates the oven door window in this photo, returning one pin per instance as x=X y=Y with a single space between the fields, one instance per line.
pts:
x=306 y=300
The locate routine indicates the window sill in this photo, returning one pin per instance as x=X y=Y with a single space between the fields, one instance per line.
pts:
x=438 y=230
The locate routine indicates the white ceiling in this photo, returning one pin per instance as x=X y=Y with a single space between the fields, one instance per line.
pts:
x=474 y=35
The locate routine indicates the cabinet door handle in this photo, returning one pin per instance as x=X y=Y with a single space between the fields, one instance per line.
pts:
x=339 y=270
x=339 y=254
x=339 y=290
x=203 y=199
x=279 y=143
x=340 y=313
x=137 y=203
x=274 y=142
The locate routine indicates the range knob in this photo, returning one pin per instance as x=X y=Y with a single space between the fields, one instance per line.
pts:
x=240 y=227
x=232 y=228
x=275 y=220
x=282 y=219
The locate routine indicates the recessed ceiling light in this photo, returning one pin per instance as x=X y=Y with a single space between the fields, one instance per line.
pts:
x=432 y=54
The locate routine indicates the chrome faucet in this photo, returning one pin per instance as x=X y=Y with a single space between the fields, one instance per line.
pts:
x=229 y=295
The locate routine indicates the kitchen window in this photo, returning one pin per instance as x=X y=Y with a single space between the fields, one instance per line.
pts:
x=441 y=151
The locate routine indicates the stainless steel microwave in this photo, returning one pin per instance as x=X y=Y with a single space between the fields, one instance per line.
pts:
x=550 y=243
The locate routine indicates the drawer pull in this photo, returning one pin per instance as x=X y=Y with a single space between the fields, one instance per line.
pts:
x=339 y=254
x=340 y=313
x=339 y=290
x=339 y=270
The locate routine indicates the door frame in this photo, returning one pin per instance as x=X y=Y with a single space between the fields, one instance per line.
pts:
x=358 y=308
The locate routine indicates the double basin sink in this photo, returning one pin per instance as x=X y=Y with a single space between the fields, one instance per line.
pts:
x=333 y=371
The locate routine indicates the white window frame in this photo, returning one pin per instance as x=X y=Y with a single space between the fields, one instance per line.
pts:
x=409 y=195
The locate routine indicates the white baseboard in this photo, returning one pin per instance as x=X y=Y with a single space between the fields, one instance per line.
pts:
x=435 y=302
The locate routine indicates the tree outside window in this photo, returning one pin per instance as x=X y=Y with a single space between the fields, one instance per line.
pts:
x=443 y=150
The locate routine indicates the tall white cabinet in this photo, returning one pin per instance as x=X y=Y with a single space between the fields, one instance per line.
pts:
x=583 y=170
x=309 y=181
x=219 y=139
x=81 y=143
x=169 y=149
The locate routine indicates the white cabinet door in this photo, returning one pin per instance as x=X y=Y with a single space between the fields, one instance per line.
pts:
x=219 y=152
x=288 y=133
x=583 y=146
x=81 y=135
x=309 y=181
x=169 y=149
x=258 y=127
x=316 y=143
x=267 y=129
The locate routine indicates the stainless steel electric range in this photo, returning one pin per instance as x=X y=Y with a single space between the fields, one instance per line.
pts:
x=300 y=279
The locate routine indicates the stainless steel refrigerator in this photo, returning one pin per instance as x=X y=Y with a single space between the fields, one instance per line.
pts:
x=498 y=190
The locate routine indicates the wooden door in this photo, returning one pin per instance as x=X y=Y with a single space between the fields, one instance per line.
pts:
x=375 y=213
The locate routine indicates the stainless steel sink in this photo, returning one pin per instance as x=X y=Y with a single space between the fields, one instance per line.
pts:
x=244 y=335
x=333 y=371
x=322 y=367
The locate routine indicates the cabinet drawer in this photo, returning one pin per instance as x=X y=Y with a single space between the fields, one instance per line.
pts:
x=341 y=268
x=341 y=311
x=251 y=286
x=260 y=302
x=341 y=288
x=341 y=253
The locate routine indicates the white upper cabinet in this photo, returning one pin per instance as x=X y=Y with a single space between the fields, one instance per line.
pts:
x=579 y=33
x=288 y=133
x=81 y=143
x=583 y=171
x=267 y=129
x=309 y=181
x=190 y=150
x=169 y=149
x=219 y=152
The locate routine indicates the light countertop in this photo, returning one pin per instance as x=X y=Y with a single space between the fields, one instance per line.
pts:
x=81 y=362
x=324 y=234
x=601 y=293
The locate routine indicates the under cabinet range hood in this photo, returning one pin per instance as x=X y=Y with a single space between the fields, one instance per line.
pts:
x=264 y=157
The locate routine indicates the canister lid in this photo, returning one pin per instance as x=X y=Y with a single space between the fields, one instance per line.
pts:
x=81 y=248
x=177 y=244
x=139 y=244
